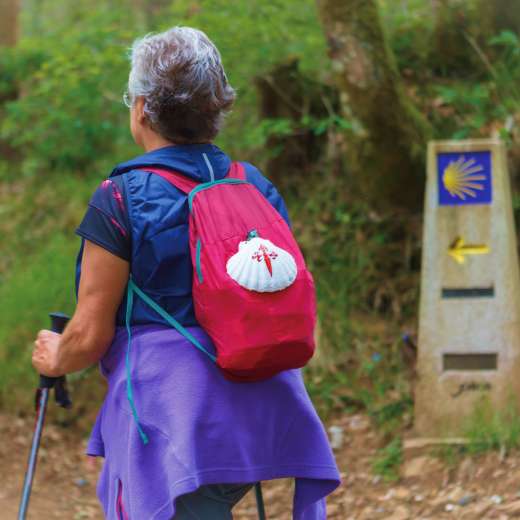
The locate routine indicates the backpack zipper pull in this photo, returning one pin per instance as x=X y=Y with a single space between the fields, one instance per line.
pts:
x=252 y=234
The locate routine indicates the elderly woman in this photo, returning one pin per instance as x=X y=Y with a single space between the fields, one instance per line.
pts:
x=179 y=440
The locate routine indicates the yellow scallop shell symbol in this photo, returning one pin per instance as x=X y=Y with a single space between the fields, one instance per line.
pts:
x=461 y=178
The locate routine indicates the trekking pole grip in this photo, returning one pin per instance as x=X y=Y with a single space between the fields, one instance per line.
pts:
x=58 y=323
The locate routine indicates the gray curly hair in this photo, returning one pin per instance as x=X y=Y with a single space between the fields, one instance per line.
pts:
x=180 y=75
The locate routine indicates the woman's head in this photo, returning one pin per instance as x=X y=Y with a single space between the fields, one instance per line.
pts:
x=177 y=87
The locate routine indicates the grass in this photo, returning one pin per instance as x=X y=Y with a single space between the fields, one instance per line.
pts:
x=491 y=429
x=487 y=429
x=36 y=286
x=38 y=250
x=450 y=455
x=388 y=460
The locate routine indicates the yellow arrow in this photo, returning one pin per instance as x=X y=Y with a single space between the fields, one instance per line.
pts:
x=458 y=250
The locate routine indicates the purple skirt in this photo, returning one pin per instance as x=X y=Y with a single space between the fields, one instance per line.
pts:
x=202 y=429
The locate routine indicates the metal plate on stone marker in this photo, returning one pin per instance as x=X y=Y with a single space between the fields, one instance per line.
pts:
x=464 y=178
x=470 y=361
x=469 y=292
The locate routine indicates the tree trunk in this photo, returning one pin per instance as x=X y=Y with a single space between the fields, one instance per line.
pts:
x=391 y=164
x=9 y=27
x=506 y=15
x=9 y=10
x=285 y=93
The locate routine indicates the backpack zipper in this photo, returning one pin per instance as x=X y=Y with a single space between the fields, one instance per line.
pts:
x=197 y=261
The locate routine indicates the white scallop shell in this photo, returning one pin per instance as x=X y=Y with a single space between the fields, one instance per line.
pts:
x=261 y=266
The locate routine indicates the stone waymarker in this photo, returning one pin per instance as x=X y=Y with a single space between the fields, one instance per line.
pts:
x=469 y=320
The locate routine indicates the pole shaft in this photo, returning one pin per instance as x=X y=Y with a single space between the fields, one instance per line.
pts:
x=33 y=456
x=260 y=501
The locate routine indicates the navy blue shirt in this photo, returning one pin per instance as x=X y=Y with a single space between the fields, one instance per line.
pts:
x=106 y=221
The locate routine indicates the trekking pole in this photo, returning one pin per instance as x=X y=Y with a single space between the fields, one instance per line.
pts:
x=58 y=322
x=260 y=501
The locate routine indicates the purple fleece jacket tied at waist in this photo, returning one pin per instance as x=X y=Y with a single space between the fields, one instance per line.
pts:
x=202 y=429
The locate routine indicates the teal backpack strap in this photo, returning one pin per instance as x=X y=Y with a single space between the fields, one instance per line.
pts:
x=131 y=290
x=129 y=389
x=171 y=321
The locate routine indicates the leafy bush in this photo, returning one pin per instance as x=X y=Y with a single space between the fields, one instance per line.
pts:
x=253 y=37
x=69 y=112
x=410 y=26
x=71 y=79
x=69 y=76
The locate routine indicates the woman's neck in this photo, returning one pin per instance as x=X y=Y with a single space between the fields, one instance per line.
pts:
x=153 y=141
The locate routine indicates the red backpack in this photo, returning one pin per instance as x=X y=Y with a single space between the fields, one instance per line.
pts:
x=252 y=292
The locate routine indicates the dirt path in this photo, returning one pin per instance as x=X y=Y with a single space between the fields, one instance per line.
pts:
x=472 y=489
x=64 y=486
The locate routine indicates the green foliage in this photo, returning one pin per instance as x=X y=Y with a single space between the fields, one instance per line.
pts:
x=380 y=381
x=343 y=243
x=71 y=74
x=506 y=70
x=35 y=287
x=388 y=460
x=451 y=455
x=389 y=417
x=347 y=246
x=36 y=270
x=464 y=81
x=331 y=391
x=253 y=37
x=510 y=42
x=490 y=428
x=468 y=108
x=410 y=27
x=68 y=117
x=72 y=79
x=16 y=65
x=70 y=111
x=34 y=210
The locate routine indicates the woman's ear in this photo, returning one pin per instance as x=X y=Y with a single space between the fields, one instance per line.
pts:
x=139 y=110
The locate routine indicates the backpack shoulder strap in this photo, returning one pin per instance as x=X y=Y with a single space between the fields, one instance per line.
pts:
x=183 y=183
x=180 y=181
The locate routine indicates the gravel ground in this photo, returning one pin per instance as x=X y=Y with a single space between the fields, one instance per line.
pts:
x=487 y=487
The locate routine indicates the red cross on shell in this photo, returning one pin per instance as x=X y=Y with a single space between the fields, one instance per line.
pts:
x=264 y=254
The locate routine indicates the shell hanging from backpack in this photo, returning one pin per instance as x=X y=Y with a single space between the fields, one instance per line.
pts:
x=261 y=266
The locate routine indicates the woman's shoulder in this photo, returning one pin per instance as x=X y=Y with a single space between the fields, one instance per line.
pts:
x=109 y=193
x=256 y=177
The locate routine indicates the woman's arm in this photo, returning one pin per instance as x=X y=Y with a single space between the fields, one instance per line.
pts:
x=89 y=333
